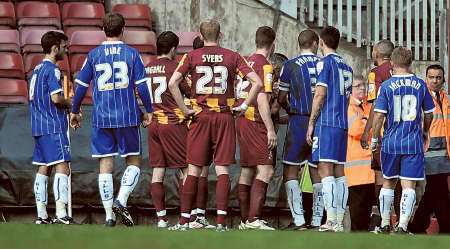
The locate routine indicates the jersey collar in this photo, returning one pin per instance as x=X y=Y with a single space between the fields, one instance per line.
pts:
x=332 y=53
x=112 y=42
x=47 y=60
x=402 y=76
x=307 y=53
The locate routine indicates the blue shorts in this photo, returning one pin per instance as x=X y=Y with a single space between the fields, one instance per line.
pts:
x=51 y=149
x=297 y=151
x=405 y=167
x=329 y=145
x=106 y=142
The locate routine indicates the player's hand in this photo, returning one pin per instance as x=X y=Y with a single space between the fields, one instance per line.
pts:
x=426 y=141
x=75 y=120
x=189 y=112
x=365 y=140
x=147 y=119
x=271 y=139
x=240 y=110
x=374 y=144
x=309 y=135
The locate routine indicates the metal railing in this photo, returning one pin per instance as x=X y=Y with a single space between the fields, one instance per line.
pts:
x=421 y=25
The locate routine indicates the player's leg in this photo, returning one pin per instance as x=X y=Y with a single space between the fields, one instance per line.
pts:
x=201 y=200
x=318 y=206
x=326 y=172
x=158 y=195
x=244 y=185
x=60 y=191
x=41 y=182
x=258 y=192
x=294 y=196
x=341 y=195
x=390 y=168
x=187 y=197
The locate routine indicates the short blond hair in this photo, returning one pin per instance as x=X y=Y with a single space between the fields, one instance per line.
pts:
x=210 y=30
x=402 y=57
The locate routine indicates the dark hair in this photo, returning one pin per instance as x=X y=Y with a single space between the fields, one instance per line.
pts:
x=113 y=24
x=306 y=38
x=265 y=36
x=198 y=43
x=330 y=36
x=435 y=67
x=165 y=42
x=50 y=39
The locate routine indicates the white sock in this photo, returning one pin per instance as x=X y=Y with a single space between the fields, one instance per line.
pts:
x=106 y=188
x=329 y=194
x=295 y=201
x=41 y=195
x=60 y=185
x=406 y=206
x=386 y=199
x=341 y=198
x=130 y=179
x=317 y=205
x=200 y=212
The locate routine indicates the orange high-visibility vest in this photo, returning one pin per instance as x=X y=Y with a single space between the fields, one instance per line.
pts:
x=440 y=127
x=357 y=168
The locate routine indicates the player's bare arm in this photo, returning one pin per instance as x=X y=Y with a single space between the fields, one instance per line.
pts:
x=283 y=100
x=378 y=119
x=264 y=111
x=60 y=101
x=174 y=88
x=365 y=135
x=427 y=120
x=319 y=99
x=257 y=85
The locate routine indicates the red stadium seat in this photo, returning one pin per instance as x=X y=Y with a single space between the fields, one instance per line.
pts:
x=31 y=60
x=70 y=30
x=186 y=40
x=38 y=14
x=146 y=59
x=30 y=40
x=83 y=14
x=84 y=41
x=7 y=14
x=144 y=41
x=13 y=91
x=136 y=15
x=9 y=41
x=76 y=62
x=11 y=66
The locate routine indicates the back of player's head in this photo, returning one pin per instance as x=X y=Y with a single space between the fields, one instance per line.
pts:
x=402 y=57
x=265 y=36
x=385 y=48
x=50 y=39
x=113 y=24
x=165 y=42
x=210 y=30
x=330 y=37
x=198 y=43
x=306 y=39
x=434 y=67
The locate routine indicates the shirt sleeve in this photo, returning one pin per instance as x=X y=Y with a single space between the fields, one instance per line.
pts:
x=285 y=81
x=381 y=103
x=372 y=91
x=85 y=75
x=242 y=67
x=141 y=82
x=53 y=81
x=322 y=69
x=184 y=67
x=428 y=103
x=139 y=70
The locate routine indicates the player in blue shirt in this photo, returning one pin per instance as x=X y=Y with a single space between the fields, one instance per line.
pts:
x=329 y=124
x=49 y=126
x=116 y=70
x=297 y=83
x=400 y=103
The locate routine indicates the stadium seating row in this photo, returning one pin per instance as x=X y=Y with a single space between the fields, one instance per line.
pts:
x=69 y=15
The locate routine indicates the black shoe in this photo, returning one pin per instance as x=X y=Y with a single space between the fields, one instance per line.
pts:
x=382 y=230
x=375 y=221
x=122 y=211
x=293 y=227
x=65 y=221
x=401 y=231
x=110 y=223
x=41 y=221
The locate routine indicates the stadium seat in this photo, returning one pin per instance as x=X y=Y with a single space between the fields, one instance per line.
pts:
x=31 y=60
x=186 y=40
x=70 y=30
x=30 y=40
x=13 y=91
x=11 y=66
x=144 y=41
x=146 y=59
x=76 y=62
x=137 y=16
x=7 y=14
x=31 y=13
x=84 y=41
x=82 y=14
x=9 y=41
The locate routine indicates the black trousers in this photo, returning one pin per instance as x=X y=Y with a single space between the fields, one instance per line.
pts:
x=361 y=198
x=435 y=200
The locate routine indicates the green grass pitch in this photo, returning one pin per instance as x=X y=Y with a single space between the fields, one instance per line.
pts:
x=29 y=236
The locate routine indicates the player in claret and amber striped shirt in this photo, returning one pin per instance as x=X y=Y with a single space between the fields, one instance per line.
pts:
x=212 y=133
x=256 y=136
